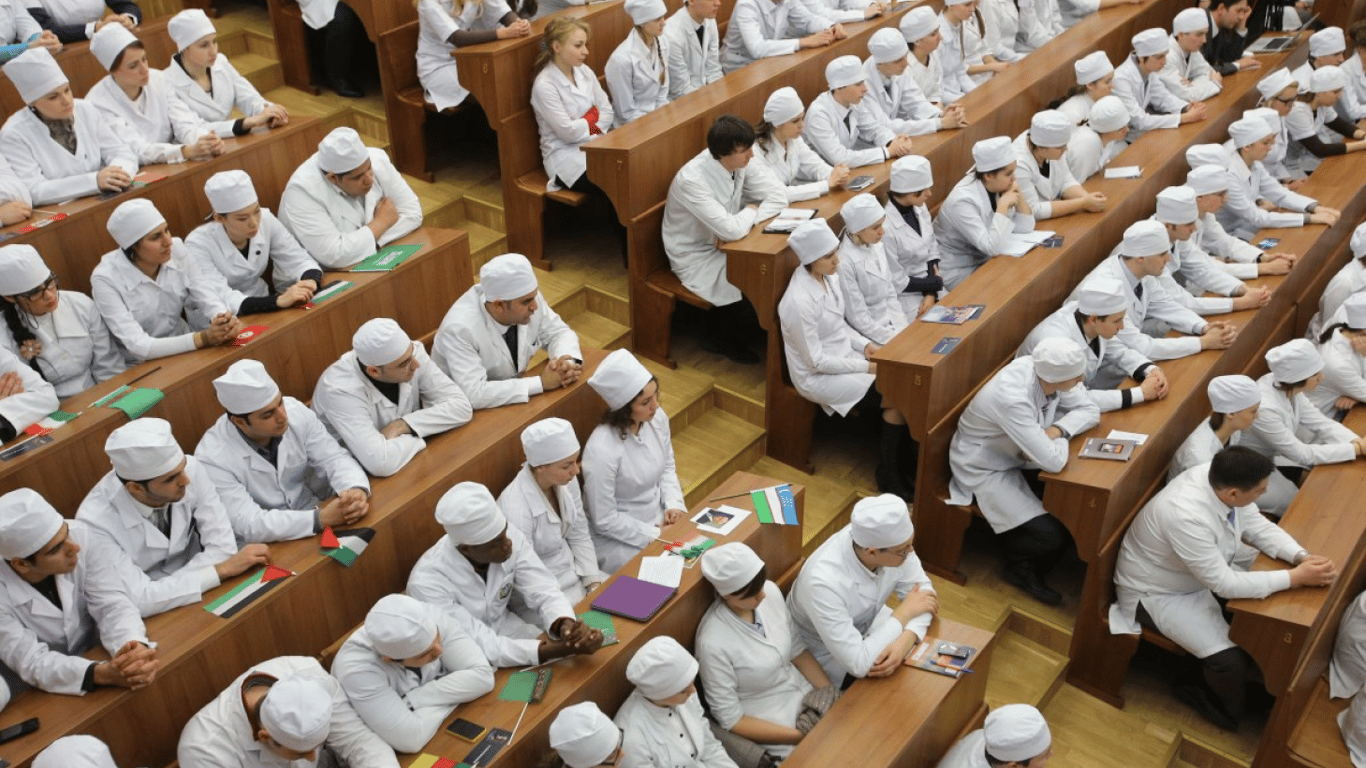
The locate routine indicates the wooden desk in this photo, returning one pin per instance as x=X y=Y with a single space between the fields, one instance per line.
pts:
x=84 y=70
x=72 y=247
x=202 y=654
x=601 y=678
x=296 y=349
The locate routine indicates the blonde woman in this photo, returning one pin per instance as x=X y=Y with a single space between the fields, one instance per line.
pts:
x=210 y=85
x=571 y=108
x=449 y=24
x=638 y=72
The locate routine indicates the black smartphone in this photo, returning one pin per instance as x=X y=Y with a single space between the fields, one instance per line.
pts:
x=466 y=730
x=21 y=729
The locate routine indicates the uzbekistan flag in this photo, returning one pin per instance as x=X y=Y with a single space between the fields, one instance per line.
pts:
x=775 y=504
x=346 y=546
x=245 y=593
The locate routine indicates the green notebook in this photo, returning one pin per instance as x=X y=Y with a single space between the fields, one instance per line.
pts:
x=602 y=623
x=138 y=402
x=388 y=257
x=527 y=685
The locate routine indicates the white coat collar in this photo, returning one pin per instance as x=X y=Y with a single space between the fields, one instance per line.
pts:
x=129 y=276
x=22 y=593
x=65 y=321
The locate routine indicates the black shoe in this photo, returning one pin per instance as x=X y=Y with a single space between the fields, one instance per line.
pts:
x=890 y=481
x=1026 y=579
x=345 y=88
x=1199 y=700
x=732 y=350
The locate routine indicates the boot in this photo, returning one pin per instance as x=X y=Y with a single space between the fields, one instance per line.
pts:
x=889 y=478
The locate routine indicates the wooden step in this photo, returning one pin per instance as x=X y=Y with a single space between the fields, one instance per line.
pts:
x=1023 y=671
x=711 y=448
x=262 y=71
x=1193 y=753
x=1086 y=730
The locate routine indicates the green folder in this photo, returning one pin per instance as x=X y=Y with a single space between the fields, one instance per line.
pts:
x=602 y=623
x=520 y=686
x=138 y=402
x=387 y=258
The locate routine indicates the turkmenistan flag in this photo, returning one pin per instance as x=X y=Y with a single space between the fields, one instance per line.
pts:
x=775 y=504
x=243 y=594
x=346 y=546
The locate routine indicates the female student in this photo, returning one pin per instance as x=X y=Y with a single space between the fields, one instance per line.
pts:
x=912 y=253
x=630 y=484
x=970 y=229
x=1315 y=125
x=19 y=32
x=1098 y=140
x=638 y=71
x=58 y=333
x=61 y=146
x=210 y=85
x=871 y=305
x=964 y=51
x=920 y=27
x=544 y=503
x=445 y=25
x=583 y=737
x=571 y=108
x=1042 y=174
x=1234 y=401
x=780 y=150
x=147 y=288
x=661 y=722
x=756 y=672
x=1250 y=184
x=1095 y=75
x=1343 y=348
x=160 y=128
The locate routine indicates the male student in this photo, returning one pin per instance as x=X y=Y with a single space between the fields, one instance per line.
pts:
x=759 y=29
x=490 y=334
x=839 y=131
x=1191 y=272
x=280 y=475
x=1013 y=735
x=1187 y=75
x=1224 y=49
x=1139 y=86
x=384 y=397
x=694 y=47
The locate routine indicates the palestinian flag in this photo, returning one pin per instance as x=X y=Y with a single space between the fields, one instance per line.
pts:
x=346 y=546
x=775 y=504
x=245 y=593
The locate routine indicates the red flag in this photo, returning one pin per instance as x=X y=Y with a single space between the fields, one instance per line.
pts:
x=330 y=539
x=274 y=572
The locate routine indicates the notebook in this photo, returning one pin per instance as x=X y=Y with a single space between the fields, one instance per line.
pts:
x=632 y=598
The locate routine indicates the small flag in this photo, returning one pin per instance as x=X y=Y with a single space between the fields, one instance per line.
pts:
x=329 y=539
x=245 y=593
x=50 y=422
x=775 y=504
x=432 y=761
x=350 y=544
x=274 y=572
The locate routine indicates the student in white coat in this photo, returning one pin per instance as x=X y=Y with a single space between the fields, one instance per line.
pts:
x=583 y=737
x=759 y=29
x=544 y=502
x=912 y=251
x=70 y=751
x=384 y=397
x=1098 y=140
x=407 y=668
x=571 y=107
x=841 y=132
x=61 y=147
x=61 y=593
x=1013 y=735
x=981 y=211
x=871 y=304
x=1279 y=95
x=964 y=53
x=279 y=473
x=1250 y=184
x=1349 y=280
x=75 y=21
x=472 y=572
x=1347 y=668
x=1191 y=272
x=637 y=72
x=1289 y=428
x=1138 y=84
x=693 y=47
x=1042 y=174
x=143 y=105
x=757 y=674
x=1234 y=401
x=1344 y=367
x=920 y=27
x=631 y=488
x=210 y=85
x=1020 y=420
x=20 y=32
x=283 y=711
x=25 y=398
x=1237 y=257
x=1327 y=47
x=159 y=506
x=1317 y=122
x=1352 y=66
x=16 y=203
x=241 y=241
x=1093 y=319
x=60 y=334
x=489 y=335
x=443 y=26
x=780 y=149
x=1193 y=543
x=1095 y=79
x=154 y=300
x=717 y=196
x=894 y=99
x=1186 y=74
x=839 y=600
x=347 y=201
x=662 y=721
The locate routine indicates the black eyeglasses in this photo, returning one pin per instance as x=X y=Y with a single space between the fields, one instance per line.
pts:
x=1287 y=100
x=48 y=285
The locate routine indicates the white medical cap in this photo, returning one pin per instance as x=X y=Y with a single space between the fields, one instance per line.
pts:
x=380 y=341
x=911 y=173
x=1275 y=82
x=230 y=191
x=812 y=240
x=297 y=713
x=1358 y=241
x=642 y=11
x=1355 y=310
x=731 y=567
x=1016 y=733
x=619 y=379
x=1057 y=359
x=245 y=387
x=842 y=71
x=1050 y=128
x=143 y=449
x=583 y=736
x=75 y=752
x=1176 y=205
x=1248 y=130
x=109 y=42
x=993 y=154
x=134 y=219
x=1207 y=154
x=661 y=668
x=1092 y=67
x=1145 y=238
x=342 y=151
x=1108 y=114
x=1191 y=20
x=888 y=45
x=548 y=441
x=400 y=627
x=783 y=105
x=1327 y=41
x=1102 y=297
x=861 y=212
x=1294 y=361
x=1207 y=179
x=1230 y=394
x=35 y=73
x=188 y=26
x=1327 y=78
x=21 y=269
x=881 y=522
x=918 y=23
x=27 y=523
x=470 y=514
x=1150 y=42
x=507 y=277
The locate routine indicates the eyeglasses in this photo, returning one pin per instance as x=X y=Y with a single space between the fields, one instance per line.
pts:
x=1288 y=99
x=902 y=552
x=48 y=285
x=616 y=754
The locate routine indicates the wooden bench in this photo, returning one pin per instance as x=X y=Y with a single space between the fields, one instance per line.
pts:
x=404 y=101
x=84 y=70
x=1317 y=739
x=291 y=33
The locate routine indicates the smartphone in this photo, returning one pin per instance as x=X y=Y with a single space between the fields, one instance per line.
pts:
x=466 y=730
x=860 y=182
x=22 y=729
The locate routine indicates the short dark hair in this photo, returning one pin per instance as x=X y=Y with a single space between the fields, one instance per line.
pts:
x=755 y=585
x=1240 y=468
x=1223 y=3
x=1358 y=33
x=728 y=135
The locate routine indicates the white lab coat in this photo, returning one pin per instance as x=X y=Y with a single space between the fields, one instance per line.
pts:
x=221 y=736
x=53 y=174
x=1352 y=722
x=1246 y=185
x=1038 y=190
x=16 y=25
x=277 y=503
x=969 y=231
x=1348 y=280
x=929 y=76
x=962 y=47
x=1117 y=359
x=437 y=21
x=41 y=643
x=406 y=706
x=638 y=77
x=1002 y=432
x=1086 y=154
x=841 y=134
x=560 y=107
x=181 y=567
x=1187 y=75
x=1191 y=273
x=839 y=607
x=707 y=203
x=12 y=188
x=1181 y=551
x=1295 y=432
x=78 y=351
x=156 y=124
x=628 y=484
x=759 y=29
x=870 y=292
x=909 y=253
x=1199 y=447
x=692 y=63
x=354 y=411
x=37 y=400
x=794 y=166
x=824 y=352
x=1001 y=20
x=668 y=737
x=749 y=674
x=469 y=347
x=1347 y=670
x=560 y=539
x=446 y=579
x=897 y=103
x=331 y=225
x=229 y=91
x=1150 y=104
x=1240 y=256
x=73 y=12
x=1078 y=107
x=1154 y=305
x=213 y=252
x=1354 y=95
x=969 y=752
x=1301 y=123
x=318 y=13
x=1344 y=374
x=154 y=317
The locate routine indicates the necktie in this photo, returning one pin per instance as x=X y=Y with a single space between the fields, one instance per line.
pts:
x=510 y=336
x=161 y=518
x=914 y=220
x=847 y=126
x=1138 y=291
x=1043 y=169
x=1232 y=516
x=701 y=35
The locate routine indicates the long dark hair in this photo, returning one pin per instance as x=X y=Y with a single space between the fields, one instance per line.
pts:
x=620 y=419
x=21 y=332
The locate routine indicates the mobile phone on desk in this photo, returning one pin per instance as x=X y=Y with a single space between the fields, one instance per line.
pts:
x=859 y=182
x=464 y=729
x=19 y=729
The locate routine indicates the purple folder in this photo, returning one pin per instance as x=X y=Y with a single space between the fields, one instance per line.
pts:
x=632 y=598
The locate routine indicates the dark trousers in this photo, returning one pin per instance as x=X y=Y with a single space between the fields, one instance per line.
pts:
x=1037 y=545
x=341 y=37
x=1222 y=675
